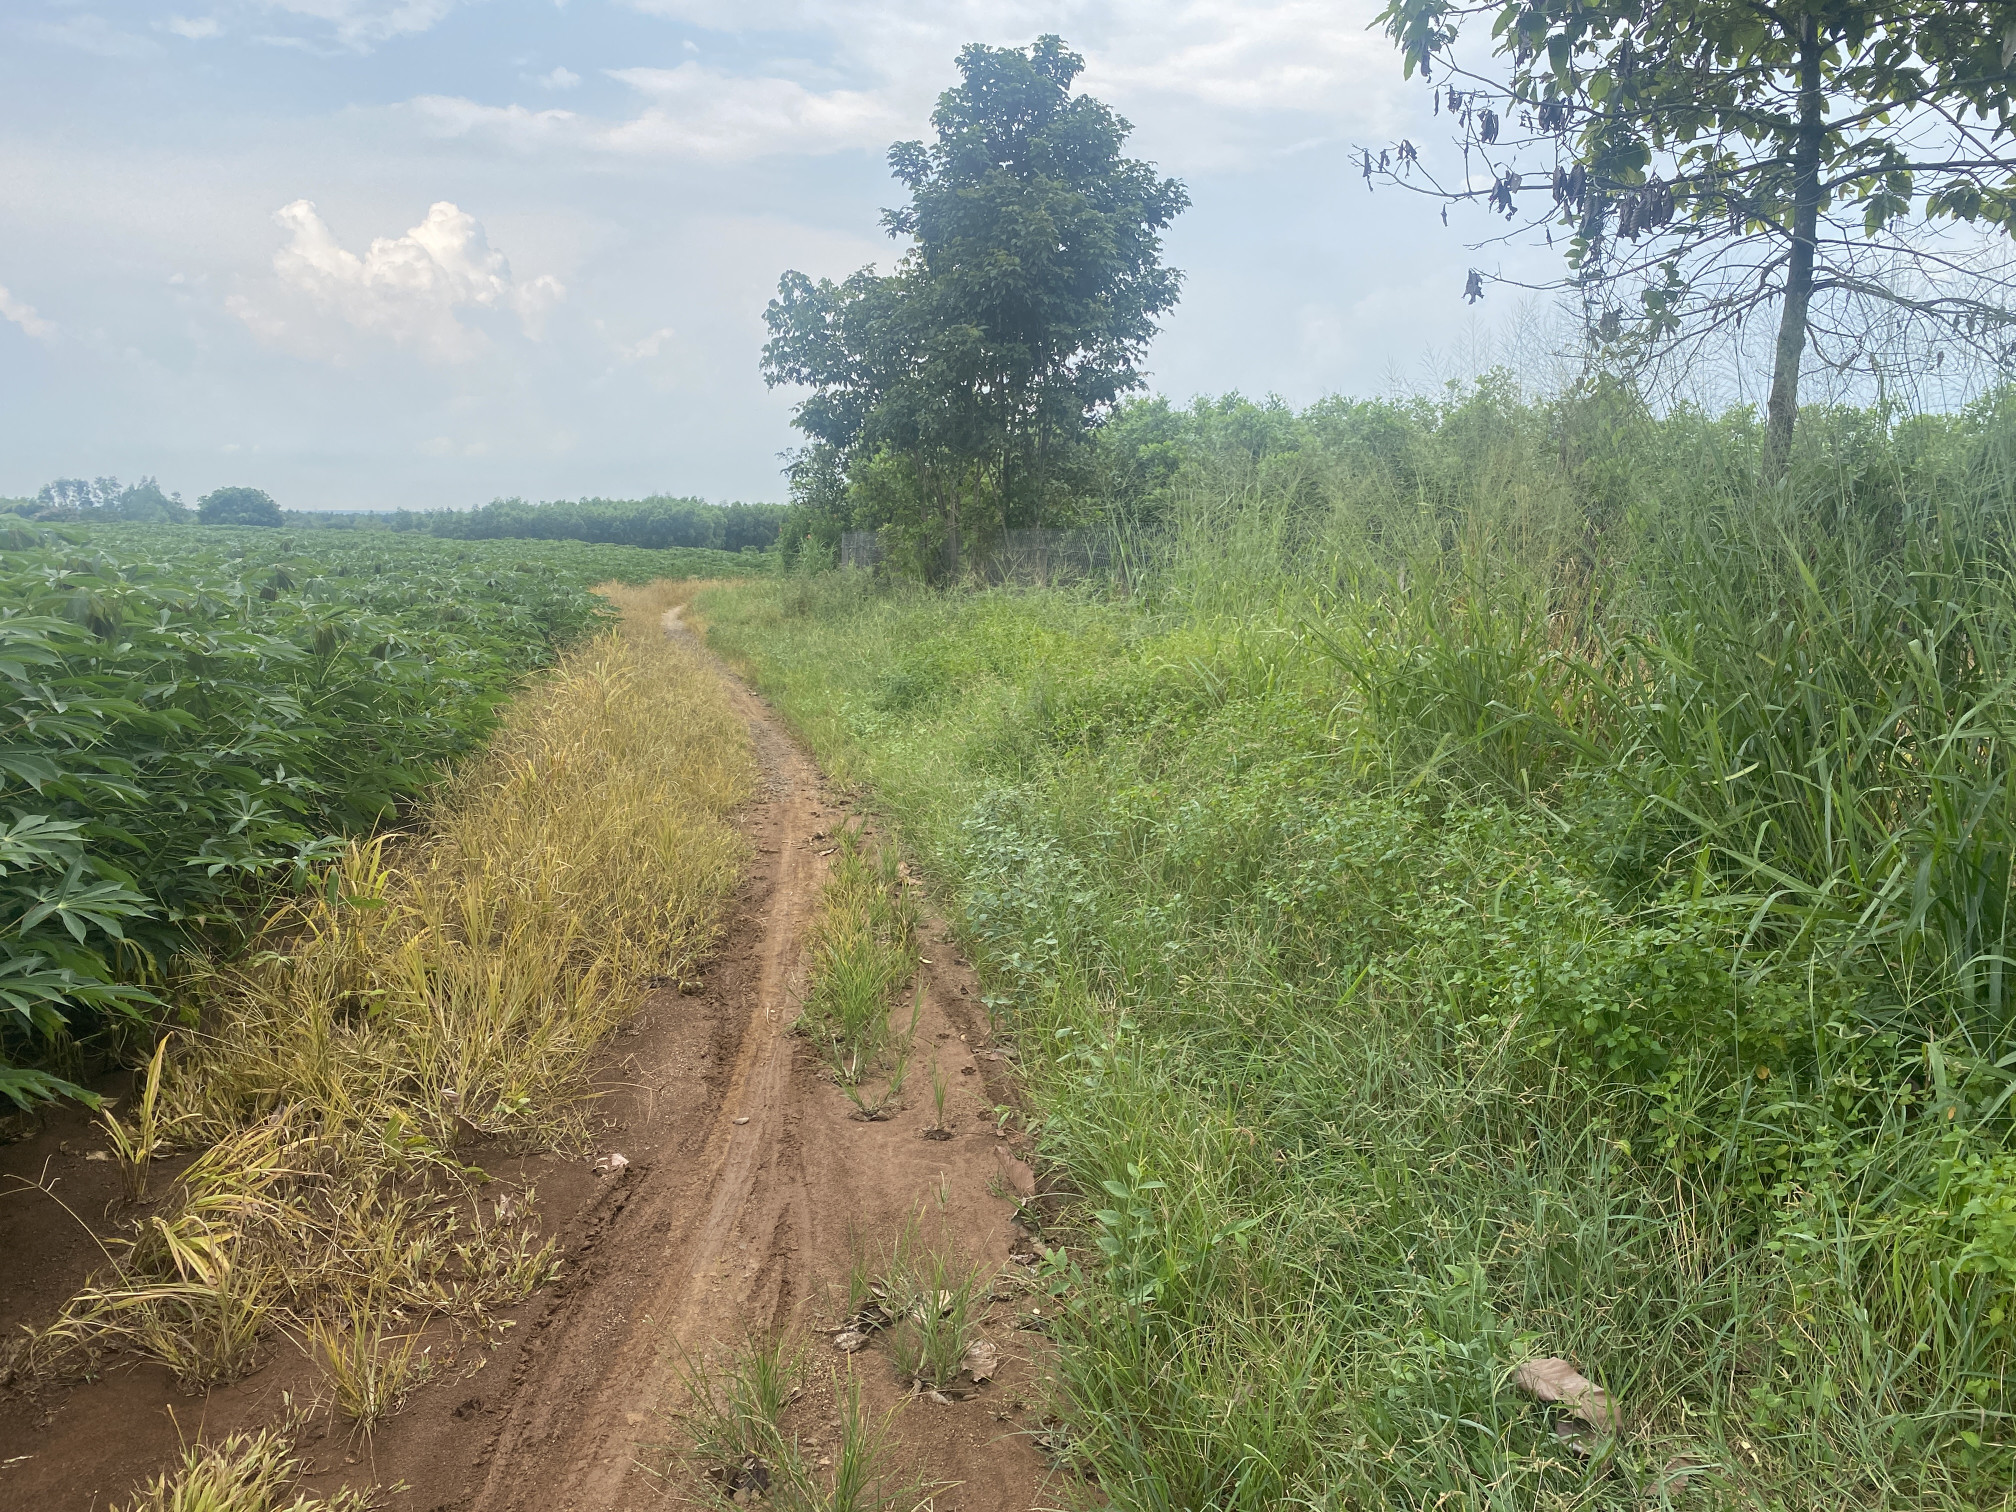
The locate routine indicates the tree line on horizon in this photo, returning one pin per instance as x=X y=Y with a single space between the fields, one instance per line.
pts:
x=658 y=522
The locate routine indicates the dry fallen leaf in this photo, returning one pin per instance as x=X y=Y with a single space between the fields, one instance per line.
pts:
x=1555 y=1380
x=1020 y=1178
x=981 y=1360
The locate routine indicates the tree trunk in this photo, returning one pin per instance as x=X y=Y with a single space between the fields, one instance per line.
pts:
x=1782 y=412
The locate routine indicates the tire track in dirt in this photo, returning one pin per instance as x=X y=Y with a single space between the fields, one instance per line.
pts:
x=746 y=1196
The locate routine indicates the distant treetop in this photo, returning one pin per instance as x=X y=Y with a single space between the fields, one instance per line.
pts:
x=103 y=499
x=238 y=506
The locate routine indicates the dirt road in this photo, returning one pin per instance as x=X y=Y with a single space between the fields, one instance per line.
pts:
x=748 y=1186
x=749 y=1182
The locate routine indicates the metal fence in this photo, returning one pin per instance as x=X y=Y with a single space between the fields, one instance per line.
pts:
x=1020 y=558
x=860 y=548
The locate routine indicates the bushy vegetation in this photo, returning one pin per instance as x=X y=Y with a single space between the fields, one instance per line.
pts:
x=1501 y=885
x=239 y=506
x=658 y=522
x=103 y=499
x=191 y=719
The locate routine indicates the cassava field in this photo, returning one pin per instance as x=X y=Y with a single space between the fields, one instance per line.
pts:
x=1468 y=883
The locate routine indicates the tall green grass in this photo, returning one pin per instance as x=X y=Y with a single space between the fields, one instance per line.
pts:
x=1504 y=887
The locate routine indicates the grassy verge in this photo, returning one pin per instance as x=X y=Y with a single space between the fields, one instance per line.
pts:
x=442 y=989
x=1413 y=971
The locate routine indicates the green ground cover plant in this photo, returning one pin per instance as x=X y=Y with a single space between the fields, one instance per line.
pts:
x=191 y=720
x=1501 y=886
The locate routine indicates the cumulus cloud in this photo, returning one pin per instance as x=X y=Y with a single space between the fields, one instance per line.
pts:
x=560 y=78
x=412 y=290
x=23 y=315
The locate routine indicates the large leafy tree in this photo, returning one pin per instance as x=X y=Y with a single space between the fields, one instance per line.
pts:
x=958 y=389
x=238 y=506
x=1846 y=163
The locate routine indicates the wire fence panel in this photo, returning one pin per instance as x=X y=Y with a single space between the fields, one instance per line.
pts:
x=860 y=548
x=1032 y=558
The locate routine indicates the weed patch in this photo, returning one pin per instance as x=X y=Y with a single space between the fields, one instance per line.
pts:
x=735 y=1437
x=933 y=1298
x=863 y=948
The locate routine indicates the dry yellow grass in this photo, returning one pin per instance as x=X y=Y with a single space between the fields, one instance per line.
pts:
x=442 y=986
x=246 y=1472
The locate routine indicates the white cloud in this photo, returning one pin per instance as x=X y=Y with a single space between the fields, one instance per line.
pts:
x=694 y=112
x=23 y=315
x=1221 y=83
x=92 y=34
x=412 y=289
x=559 y=78
x=452 y=116
x=649 y=347
x=702 y=112
x=362 y=24
x=194 y=28
x=1292 y=55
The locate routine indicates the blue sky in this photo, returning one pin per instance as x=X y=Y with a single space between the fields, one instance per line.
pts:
x=369 y=253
